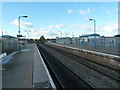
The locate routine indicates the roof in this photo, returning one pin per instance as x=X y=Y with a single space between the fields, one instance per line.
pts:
x=8 y=36
x=88 y=35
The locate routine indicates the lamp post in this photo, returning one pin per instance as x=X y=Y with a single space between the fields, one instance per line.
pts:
x=73 y=34
x=28 y=33
x=94 y=30
x=19 y=29
x=1 y=44
x=61 y=33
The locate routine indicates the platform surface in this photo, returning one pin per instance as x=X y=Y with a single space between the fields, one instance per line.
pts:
x=26 y=70
x=41 y=75
x=112 y=51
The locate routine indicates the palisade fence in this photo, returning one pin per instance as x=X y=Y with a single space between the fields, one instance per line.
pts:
x=9 y=45
x=101 y=42
x=0 y=45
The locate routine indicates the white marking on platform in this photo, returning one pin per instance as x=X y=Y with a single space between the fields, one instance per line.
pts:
x=25 y=50
x=48 y=74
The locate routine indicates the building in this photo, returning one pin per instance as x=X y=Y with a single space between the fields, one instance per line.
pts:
x=51 y=40
x=66 y=40
x=89 y=39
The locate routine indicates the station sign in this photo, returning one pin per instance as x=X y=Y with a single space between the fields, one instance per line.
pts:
x=19 y=36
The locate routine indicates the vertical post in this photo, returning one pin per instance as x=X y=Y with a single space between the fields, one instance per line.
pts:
x=61 y=34
x=94 y=26
x=19 y=30
x=19 y=25
x=2 y=33
x=66 y=35
x=2 y=43
x=19 y=33
x=94 y=31
x=28 y=35
x=94 y=34
x=25 y=41
x=73 y=34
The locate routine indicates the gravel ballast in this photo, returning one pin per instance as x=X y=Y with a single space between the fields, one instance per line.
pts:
x=93 y=77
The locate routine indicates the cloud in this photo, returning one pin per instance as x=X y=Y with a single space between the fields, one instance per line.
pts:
x=108 y=12
x=43 y=31
x=48 y=33
x=110 y=29
x=69 y=11
x=64 y=33
x=32 y=30
x=56 y=26
x=87 y=18
x=22 y=24
x=79 y=27
x=84 y=12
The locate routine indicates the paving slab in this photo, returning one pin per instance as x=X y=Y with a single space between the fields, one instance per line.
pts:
x=41 y=75
x=18 y=73
x=27 y=70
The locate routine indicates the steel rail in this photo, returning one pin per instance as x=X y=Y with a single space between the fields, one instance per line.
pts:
x=50 y=68
x=86 y=64
x=84 y=82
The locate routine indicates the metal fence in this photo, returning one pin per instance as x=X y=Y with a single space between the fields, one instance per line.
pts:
x=0 y=45
x=9 y=45
x=105 y=42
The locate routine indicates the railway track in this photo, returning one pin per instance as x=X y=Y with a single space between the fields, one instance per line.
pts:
x=62 y=75
x=112 y=73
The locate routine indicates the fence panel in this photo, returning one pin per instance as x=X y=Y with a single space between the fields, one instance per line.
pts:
x=0 y=45
x=9 y=45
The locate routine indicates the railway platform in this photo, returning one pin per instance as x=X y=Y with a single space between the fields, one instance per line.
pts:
x=26 y=70
x=112 y=51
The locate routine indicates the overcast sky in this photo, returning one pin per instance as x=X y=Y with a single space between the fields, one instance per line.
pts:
x=52 y=18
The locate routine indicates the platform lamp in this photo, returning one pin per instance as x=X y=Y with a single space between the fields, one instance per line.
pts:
x=61 y=33
x=28 y=34
x=1 y=51
x=19 y=30
x=94 y=30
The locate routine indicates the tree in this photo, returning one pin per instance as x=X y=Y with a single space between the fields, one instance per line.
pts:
x=42 y=39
